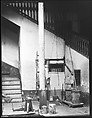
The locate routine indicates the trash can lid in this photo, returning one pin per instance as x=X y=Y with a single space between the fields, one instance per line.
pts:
x=28 y=98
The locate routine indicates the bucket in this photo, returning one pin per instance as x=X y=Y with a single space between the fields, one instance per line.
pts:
x=52 y=108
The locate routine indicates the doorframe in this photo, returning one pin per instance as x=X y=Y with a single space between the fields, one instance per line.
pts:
x=80 y=76
x=16 y=28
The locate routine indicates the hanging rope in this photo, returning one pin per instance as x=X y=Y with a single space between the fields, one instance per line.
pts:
x=64 y=61
x=51 y=56
x=52 y=47
x=58 y=78
x=57 y=57
x=56 y=49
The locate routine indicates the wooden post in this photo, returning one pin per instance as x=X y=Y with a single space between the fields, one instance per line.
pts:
x=42 y=93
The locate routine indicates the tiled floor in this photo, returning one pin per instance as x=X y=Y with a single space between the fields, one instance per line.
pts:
x=61 y=109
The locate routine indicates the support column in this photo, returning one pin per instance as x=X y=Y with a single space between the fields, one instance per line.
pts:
x=42 y=93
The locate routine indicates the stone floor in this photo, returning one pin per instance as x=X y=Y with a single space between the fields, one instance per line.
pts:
x=61 y=109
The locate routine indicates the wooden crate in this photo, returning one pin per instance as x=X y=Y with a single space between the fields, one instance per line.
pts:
x=68 y=95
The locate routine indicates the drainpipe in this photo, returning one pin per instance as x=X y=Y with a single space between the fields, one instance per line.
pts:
x=42 y=91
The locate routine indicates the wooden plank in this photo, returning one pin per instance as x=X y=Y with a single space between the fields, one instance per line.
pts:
x=10 y=82
x=10 y=78
x=42 y=97
x=11 y=87
x=70 y=104
x=14 y=95
x=11 y=91
x=54 y=59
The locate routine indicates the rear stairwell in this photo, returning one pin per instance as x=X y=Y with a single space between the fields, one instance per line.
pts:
x=11 y=83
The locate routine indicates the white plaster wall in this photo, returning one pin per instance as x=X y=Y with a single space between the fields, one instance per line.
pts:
x=29 y=46
x=82 y=63
x=53 y=49
x=54 y=46
x=10 y=47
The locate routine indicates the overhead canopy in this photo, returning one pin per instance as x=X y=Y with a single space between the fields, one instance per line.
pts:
x=61 y=14
x=66 y=19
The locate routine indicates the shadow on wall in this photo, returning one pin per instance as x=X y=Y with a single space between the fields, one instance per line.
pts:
x=85 y=77
x=9 y=70
x=84 y=98
x=85 y=84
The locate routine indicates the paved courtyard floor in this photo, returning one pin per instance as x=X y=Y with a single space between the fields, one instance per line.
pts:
x=61 y=109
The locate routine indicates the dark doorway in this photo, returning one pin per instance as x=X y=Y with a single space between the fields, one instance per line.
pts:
x=78 y=77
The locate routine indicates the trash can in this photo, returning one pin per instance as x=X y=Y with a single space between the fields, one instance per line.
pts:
x=44 y=109
x=52 y=108
x=28 y=104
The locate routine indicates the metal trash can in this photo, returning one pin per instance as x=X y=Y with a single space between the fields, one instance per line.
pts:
x=44 y=109
x=52 y=108
x=28 y=104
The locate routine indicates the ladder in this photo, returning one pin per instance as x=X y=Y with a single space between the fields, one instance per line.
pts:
x=71 y=71
x=72 y=93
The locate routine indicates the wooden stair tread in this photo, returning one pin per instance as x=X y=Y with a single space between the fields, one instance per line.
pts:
x=11 y=89
x=10 y=84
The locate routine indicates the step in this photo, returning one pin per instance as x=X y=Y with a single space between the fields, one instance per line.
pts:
x=10 y=82
x=10 y=78
x=11 y=91
x=16 y=100
x=14 y=95
x=10 y=94
x=6 y=87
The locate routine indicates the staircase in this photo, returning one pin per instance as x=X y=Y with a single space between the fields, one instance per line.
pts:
x=11 y=88
x=11 y=84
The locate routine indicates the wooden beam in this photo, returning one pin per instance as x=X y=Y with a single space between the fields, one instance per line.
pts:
x=42 y=95
x=54 y=59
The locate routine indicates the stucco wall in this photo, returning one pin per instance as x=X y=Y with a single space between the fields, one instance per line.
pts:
x=10 y=47
x=82 y=63
x=28 y=47
x=53 y=49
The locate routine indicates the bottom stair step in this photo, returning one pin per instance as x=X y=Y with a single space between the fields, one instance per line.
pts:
x=14 y=95
x=16 y=100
